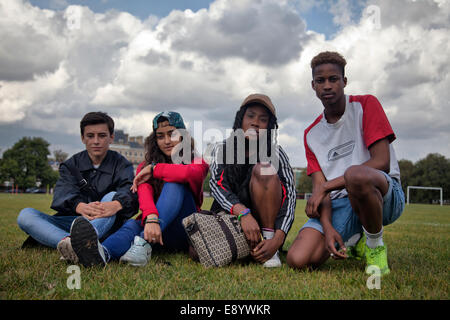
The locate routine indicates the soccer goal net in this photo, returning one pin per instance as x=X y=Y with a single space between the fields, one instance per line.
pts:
x=423 y=188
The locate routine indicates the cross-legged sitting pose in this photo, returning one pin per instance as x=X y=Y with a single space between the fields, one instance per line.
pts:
x=94 y=183
x=167 y=193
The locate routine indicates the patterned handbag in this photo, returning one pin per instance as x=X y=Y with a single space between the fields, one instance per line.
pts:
x=217 y=237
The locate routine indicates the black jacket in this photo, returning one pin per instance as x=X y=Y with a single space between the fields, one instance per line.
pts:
x=114 y=174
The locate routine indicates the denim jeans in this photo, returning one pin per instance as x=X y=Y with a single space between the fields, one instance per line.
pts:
x=346 y=221
x=175 y=203
x=49 y=230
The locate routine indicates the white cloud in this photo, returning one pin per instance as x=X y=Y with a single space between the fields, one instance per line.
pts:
x=342 y=12
x=204 y=63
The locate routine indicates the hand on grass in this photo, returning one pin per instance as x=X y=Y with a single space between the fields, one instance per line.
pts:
x=331 y=237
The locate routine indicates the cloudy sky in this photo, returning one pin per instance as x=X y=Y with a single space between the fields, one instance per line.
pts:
x=61 y=58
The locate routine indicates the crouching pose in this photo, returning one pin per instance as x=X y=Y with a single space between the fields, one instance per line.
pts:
x=355 y=175
x=259 y=190
x=167 y=193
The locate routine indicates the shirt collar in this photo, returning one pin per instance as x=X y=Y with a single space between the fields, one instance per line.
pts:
x=85 y=163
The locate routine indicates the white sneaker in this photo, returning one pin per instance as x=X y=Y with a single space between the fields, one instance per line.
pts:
x=139 y=253
x=65 y=249
x=273 y=262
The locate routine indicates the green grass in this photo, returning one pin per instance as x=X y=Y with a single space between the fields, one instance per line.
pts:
x=418 y=245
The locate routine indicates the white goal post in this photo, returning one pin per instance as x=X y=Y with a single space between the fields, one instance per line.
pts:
x=424 y=188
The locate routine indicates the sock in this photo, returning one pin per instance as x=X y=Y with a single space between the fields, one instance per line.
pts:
x=374 y=240
x=353 y=240
x=268 y=233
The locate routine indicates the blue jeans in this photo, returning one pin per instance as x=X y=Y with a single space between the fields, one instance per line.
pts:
x=49 y=230
x=174 y=204
x=345 y=220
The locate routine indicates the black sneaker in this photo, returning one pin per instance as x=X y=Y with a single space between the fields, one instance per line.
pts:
x=85 y=243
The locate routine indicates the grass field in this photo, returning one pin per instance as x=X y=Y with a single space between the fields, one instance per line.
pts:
x=419 y=255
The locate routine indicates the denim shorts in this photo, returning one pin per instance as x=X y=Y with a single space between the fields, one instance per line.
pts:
x=347 y=223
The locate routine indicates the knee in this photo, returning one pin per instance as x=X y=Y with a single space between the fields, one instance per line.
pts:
x=296 y=260
x=24 y=218
x=173 y=187
x=356 y=179
x=264 y=173
x=109 y=196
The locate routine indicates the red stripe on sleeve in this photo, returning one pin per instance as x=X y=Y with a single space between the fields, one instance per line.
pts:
x=220 y=181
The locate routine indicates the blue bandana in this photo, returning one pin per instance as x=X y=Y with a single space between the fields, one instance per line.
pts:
x=173 y=117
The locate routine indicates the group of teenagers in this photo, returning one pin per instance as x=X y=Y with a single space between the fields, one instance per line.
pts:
x=350 y=159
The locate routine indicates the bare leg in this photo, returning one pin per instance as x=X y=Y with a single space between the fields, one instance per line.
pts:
x=308 y=250
x=266 y=195
x=366 y=188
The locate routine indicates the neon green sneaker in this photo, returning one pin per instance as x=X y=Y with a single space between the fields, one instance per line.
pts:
x=357 y=251
x=377 y=257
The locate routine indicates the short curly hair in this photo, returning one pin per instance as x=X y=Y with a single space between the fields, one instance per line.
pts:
x=329 y=57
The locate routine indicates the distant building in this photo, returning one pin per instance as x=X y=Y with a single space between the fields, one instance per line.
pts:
x=132 y=148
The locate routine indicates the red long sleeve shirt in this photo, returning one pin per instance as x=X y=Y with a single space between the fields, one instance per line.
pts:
x=191 y=174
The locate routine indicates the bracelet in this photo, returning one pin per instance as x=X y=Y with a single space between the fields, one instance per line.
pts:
x=152 y=220
x=243 y=213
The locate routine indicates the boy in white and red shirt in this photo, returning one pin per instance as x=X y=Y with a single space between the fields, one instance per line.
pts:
x=355 y=175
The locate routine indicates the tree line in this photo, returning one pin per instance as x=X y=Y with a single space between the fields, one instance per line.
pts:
x=27 y=163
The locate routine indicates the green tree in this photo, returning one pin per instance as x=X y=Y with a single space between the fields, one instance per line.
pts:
x=432 y=171
x=406 y=173
x=26 y=163
x=304 y=183
x=60 y=156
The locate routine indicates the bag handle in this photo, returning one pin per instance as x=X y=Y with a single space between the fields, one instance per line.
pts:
x=229 y=237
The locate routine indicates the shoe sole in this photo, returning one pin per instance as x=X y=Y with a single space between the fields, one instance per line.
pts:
x=85 y=243
x=133 y=263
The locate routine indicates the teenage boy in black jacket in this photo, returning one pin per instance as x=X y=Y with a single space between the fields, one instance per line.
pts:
x=106 y=200
x=255 y=185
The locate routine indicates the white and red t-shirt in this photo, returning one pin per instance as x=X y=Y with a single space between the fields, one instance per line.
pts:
x=333 y=147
